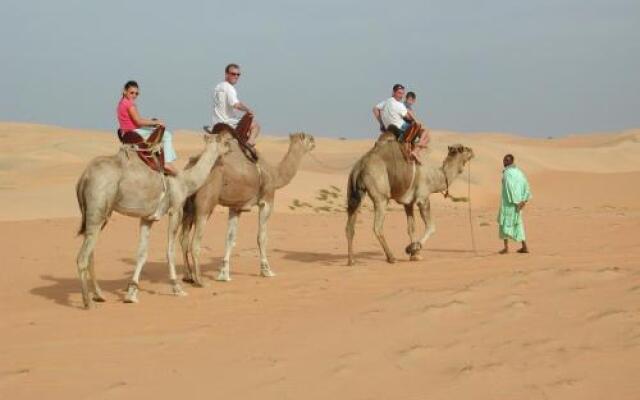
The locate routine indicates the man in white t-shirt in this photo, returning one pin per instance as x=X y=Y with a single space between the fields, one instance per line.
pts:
x=392 y=114
x=225 y=103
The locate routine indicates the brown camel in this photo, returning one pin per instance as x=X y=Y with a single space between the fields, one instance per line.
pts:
x=384 y=174
x=239 y=185
x=123 y=183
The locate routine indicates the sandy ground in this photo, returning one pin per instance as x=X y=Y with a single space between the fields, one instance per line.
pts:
x=560 y=323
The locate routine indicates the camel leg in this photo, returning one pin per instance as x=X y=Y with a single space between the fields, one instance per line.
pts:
x=411 y=230
x=84 y=260
x=97 y=293
x=174 y=224
x=143 y=245
x=429 y=225
x=263 y=217
x=352 y=217
x=232 y=230
x=198 y=232
x=184 y=246
x=378 y=225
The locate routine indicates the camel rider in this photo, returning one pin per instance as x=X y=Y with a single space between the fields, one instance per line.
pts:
x=392 y=114
x=225 y=103
x=129 y=119
x=420 y=141
x=409 y=100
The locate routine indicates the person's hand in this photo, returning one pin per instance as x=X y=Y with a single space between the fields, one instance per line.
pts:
x=159 y=122
x=382 y=128
x=521 y=205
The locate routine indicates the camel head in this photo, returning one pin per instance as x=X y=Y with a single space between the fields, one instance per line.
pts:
x=307 y=141
x=458 y=155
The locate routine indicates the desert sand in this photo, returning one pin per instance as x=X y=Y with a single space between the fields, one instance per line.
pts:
x=560 y=323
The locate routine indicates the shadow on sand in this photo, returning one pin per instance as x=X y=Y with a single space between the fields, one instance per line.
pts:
x=61 y=289
x=327 y=258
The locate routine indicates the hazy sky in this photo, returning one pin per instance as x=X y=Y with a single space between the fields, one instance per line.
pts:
x=537 y=67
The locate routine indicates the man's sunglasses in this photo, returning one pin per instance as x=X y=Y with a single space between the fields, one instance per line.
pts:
x=234 y=73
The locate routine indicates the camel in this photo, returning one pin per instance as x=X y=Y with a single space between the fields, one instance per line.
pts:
x=238 y=184
x=123 y=183
x=384 y=174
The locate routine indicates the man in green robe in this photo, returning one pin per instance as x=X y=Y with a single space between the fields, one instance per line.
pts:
x=515 y=194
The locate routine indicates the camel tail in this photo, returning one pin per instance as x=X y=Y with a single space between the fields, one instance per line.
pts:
x=188 y=216
x=355 y=189
x=81 y=205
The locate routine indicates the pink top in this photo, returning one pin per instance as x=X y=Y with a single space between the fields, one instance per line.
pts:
x=126 y=123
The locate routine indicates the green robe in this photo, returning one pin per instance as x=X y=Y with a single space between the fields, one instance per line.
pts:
x=515 y=189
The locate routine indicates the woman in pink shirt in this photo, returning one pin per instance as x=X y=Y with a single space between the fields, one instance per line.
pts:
x=130 y=120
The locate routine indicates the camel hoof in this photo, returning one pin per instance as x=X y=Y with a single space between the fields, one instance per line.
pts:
x=99 y=298
x=187 y=279
x=391 y=260
x=223 y=277
x=415 y=257
x=198 y=284
x=413 y=248
x=132 y=294
x=177 y=291
x=267 y=273
x=351 y=263
x=89 y=305
x=130 y=300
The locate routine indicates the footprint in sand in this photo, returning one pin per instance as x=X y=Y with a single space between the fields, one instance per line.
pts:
x=609 y=314
x=564 y=382
x=445 y=307
x=10 y=376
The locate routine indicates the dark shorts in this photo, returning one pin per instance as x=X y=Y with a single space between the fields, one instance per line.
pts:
x=399 y=131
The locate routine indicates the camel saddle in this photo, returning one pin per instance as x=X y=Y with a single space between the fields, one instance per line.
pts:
x=150 y=150
x=240 y=133
x=410 y=137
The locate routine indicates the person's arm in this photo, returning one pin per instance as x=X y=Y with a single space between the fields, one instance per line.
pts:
x=232 y=98
x=242 y=107
x=138 y=120
x=376 y=114
x=410 y=116
x=378 y=117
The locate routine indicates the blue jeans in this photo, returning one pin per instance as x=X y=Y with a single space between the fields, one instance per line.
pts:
x=401 y=130
x=167 y=143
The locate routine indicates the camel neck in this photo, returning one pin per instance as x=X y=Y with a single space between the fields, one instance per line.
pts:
x=288 y=166
x=447 y=174
x=195 y=176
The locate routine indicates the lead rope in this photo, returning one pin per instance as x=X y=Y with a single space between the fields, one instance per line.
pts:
x=323 y=164
x=473 y=236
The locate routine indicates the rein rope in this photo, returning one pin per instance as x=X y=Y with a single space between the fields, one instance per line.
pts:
x=323 y=164
x=467 y=199
x=473 y=236
x=445 y=192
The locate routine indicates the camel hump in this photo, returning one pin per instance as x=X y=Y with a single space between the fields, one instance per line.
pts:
x=386 y=137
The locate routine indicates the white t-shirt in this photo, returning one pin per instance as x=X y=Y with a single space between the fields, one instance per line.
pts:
x=224 y=98
x=391 y=112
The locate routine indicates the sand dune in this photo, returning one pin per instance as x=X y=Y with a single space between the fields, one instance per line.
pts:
x=560 y=323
